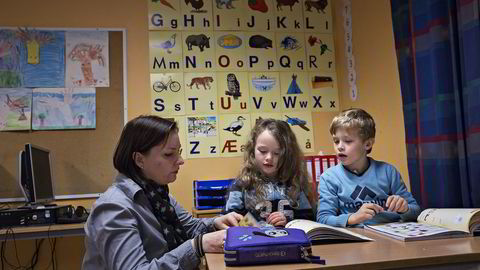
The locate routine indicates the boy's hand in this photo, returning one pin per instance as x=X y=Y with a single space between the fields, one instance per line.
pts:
x=277 y=219
x=396 y=203
x=366 y=212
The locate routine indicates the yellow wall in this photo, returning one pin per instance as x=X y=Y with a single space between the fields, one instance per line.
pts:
x=377 y=82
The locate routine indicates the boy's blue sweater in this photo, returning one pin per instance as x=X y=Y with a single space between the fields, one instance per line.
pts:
x=342 y=193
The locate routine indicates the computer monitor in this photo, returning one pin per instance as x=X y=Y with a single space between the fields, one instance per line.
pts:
x=24 y=181
x=36 y=175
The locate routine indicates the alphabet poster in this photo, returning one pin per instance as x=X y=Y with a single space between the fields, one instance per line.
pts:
x=218 y=66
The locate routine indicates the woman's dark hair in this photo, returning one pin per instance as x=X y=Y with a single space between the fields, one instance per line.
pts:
x=140 y=135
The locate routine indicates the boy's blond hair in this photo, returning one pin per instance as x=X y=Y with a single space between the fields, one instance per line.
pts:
x=355 y=119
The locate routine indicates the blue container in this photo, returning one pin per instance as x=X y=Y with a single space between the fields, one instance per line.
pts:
x=210 y=194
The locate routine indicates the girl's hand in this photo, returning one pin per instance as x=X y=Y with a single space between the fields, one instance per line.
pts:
x=214 y=241
x=229 y=220
x=396 y=203
x=366 y=212
x=277 y=219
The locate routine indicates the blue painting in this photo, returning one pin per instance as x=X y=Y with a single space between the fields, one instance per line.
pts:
x=32 y=58
x=64 y=108
x=42 y=57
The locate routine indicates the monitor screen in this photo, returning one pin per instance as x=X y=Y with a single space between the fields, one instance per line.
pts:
x=24 y=179
x=39 y=167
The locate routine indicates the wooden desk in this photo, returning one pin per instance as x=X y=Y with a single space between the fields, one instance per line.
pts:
x=206 y=213
x=384 y=253
x=37 y=232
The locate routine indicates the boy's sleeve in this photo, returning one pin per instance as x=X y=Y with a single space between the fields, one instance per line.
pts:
x=235 y=201
x=328 y=208
x=399 y=188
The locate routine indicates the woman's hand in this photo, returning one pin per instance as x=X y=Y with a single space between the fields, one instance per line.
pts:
x=277 y=219
x=229 y=220
x=213 y=242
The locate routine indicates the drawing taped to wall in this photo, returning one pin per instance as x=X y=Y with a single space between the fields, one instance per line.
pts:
x=87 y=59
x=15 y=108
x=32 y=58
x=64 y=108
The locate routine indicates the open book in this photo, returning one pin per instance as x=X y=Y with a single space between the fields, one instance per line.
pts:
x=433 y=223
x=321 y=233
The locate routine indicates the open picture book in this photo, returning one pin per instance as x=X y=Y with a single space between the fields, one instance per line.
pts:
x=321 y=233
x=433 y=223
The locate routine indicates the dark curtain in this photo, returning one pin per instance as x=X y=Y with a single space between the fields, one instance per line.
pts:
x=438 y=50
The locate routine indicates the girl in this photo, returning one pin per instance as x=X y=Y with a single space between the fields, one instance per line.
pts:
x=273 y=184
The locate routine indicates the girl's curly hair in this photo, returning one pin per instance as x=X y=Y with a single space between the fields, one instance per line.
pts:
x=292 y=170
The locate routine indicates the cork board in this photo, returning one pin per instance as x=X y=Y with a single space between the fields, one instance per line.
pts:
x=81 y=159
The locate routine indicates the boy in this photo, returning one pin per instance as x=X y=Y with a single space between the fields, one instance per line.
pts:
x=361 y=190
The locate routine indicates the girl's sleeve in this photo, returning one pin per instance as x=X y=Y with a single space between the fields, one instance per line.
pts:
x=235 y=201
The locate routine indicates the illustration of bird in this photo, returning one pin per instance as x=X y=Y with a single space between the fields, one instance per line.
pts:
x=235 y=126
x=294 y=121
x=165 y=3
x=168 y=44
x=196 y=4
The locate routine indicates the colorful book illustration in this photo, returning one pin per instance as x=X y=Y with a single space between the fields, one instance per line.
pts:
x=433 y=223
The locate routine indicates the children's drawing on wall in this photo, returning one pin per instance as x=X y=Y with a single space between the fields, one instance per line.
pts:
x=235 y=126
x=15 y=108
x=64 y=108
x=42 y=55
x=10 y=73
x=87 y=59
x=32 y=58
x=293 y=88
x=204 y=126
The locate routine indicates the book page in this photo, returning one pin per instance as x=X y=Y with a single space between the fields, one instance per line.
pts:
x=409 y=230
x=451 y=218
x=309 y=226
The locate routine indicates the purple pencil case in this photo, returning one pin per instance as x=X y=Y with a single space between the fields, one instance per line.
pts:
x=267 y=245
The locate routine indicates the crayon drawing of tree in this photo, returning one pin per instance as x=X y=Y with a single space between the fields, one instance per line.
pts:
x=86 y=54
x=34 y=40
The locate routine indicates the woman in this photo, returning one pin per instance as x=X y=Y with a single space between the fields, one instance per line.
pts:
x=136 y=223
